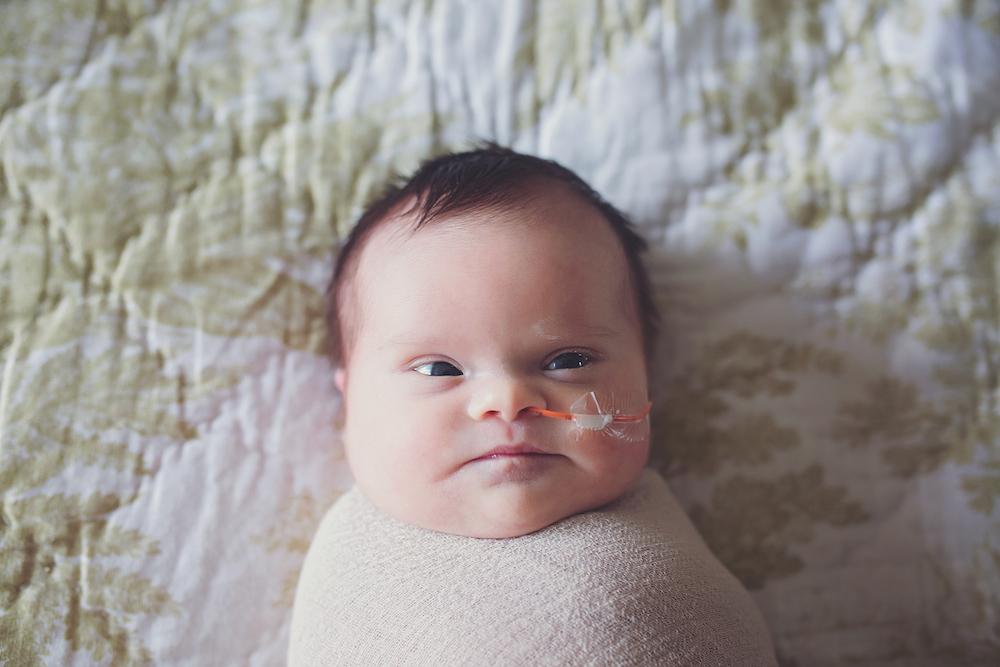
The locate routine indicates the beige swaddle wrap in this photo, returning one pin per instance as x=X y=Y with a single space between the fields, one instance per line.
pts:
x=629 y=584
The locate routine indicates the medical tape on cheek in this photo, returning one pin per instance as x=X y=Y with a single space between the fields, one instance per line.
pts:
x=618 y=416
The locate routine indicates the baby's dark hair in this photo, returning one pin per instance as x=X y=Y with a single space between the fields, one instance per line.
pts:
x=489 y=177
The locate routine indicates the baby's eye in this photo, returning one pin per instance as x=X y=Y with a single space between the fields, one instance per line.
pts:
x=437 y=368
x=568 y=360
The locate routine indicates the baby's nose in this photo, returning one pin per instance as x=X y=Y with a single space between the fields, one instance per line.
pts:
x=506 y=398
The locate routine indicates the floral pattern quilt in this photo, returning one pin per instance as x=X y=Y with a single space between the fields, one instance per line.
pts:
x=819 y=182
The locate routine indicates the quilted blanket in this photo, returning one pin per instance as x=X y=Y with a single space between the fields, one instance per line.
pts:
x=819 y=180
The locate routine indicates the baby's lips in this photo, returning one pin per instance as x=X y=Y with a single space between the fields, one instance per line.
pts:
x=521 y=449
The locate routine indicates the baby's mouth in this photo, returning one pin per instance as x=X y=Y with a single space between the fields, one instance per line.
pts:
x=514 y=464
x=521 y=450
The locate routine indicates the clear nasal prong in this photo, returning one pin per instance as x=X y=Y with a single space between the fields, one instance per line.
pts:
x=587 y=414
x=592 y=422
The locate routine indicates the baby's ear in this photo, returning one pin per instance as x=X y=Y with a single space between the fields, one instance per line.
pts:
x=340 y=379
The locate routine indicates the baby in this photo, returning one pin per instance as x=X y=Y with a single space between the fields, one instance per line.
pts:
x=474 y=311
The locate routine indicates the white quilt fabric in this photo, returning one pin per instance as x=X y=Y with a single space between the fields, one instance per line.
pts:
x=820 y=182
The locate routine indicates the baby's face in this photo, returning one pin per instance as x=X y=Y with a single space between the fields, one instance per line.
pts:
x=464 y=325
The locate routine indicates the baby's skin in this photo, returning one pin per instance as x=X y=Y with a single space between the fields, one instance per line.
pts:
x=463 y=328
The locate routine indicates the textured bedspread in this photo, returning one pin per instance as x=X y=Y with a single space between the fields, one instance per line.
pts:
x=820 y=182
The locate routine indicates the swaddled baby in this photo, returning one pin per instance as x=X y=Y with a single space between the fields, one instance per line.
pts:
x=492 y=322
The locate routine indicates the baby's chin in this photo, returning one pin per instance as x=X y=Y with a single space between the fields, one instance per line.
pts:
x=496 y=525
x=506 y=524
x=511 y=510
x=502 y=496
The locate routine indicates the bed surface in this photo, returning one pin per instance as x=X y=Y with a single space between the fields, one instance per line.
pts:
x=820 y=182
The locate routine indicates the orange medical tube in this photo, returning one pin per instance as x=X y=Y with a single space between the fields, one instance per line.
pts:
x=614 y=418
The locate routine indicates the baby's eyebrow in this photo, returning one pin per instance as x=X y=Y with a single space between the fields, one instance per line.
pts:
x=580 y=332
x=408 y=339
x=401 y=340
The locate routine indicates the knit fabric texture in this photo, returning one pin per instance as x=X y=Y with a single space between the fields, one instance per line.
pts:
x=629 y=584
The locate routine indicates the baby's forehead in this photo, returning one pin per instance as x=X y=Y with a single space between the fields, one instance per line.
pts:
x=568 y=245
x=549 y=217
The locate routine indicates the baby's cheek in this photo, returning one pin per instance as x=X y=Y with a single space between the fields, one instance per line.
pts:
x=376 y=449
x=615 y=457
x=420 y=445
